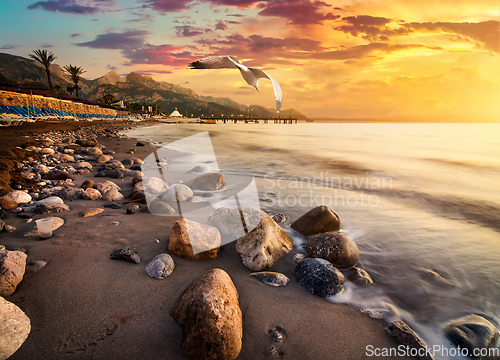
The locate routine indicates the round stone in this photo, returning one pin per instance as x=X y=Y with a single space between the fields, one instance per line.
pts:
x=320 y=277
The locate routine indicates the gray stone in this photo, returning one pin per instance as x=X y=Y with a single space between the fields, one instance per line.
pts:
x=127 y=254
x=18 y=196
x=14 y=328
x=51 y=208
x=270 y=278
x=158 y=207
x=155 y=185
x=112 y=195
x=160 y=267
x=106 y=186
x=320 y=277
x=178 y=191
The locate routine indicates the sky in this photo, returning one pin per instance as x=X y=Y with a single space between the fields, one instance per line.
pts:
x=384 y=59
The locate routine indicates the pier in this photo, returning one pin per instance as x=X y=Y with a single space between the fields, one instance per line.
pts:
x=256 y=120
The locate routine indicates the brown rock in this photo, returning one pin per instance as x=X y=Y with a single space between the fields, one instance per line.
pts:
x=91 y=212
x=208 y=182
x=263 y=246
x=101 y=159
x=14 y=328
x=87 y=184
x=192 y=240
x=112 y=195
x=7 y=204
x=12 y=266
x=335 y=247
x=405 y=335
x=91 y=194
x=209 y=314
x=318 y=220
x=359 y=276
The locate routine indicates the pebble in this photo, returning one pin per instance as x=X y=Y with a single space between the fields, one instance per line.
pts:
x=10 y=228
x=127 y=254
x=270 y=278
x=91 y=212
x=113 y=205
x=132 y=209
x=36 y=265
x=279 y=218
x=114 y=223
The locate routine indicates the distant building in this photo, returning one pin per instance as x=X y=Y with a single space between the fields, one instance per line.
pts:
x=175 y=114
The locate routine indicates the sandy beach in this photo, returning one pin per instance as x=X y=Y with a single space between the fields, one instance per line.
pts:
x=84 y=305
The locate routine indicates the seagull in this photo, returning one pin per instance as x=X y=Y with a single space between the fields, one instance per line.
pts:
x=251 y=75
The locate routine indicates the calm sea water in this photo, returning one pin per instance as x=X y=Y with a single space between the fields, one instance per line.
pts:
x=421 y=201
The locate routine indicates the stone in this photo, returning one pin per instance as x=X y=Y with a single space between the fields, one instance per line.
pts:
x=335 y=247
x=318 y=220
x=70 y=193
x=209 y=314
x=136 y=161
x=82 y=171
x=88 y=184
x=9 y=228
x=87 y=143
x=136 y=167
x=140 y=143
x=34 y=266
x=83 y=165
x=192 y=240
x=112 y=195
x=101 y=159
x=127 y=162
x=127 y=254
x=139 y=186
x=57 y=222
x=106 y=186
x=155 y=185
x=270 y=278
x=160 y=267
x=113 y=206
x=45 y=142
x=91 y=212
x=69 y=151
x=50 y=208
x=108 y=152
x=279 y=218
x=135 y=173
x=41 y=169
x=18 y=196
x=46 y=151
x=264 y=245
x=472 y=332
x=158 y=207
x=58 y=175
x=51 y=200
x=94 y=151
x=208 y=182
x=74 y=147
x=178 y=191
x=319 y=277
x=14 y=328
x=12 y=267
x=114 y=174
x=132 y=209
x=8 y=204
x=200 y=169
x=228 y=220
x=405 y=335
x=91 y=194
x=64 y=158
x=112 y=165
x=359 y=277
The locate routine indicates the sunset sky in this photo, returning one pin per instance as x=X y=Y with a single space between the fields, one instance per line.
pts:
x=410 y=59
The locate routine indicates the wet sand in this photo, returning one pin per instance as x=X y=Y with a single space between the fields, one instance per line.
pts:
x=83 y=305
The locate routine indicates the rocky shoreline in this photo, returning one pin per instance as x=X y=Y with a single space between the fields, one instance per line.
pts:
x=89 y=181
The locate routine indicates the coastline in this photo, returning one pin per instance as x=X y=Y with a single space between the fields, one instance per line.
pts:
x=83 y=304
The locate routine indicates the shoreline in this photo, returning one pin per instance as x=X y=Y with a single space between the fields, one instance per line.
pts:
x=82 y=303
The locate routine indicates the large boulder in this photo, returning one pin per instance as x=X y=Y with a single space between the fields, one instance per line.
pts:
x=472 y=332
x=12 y=267
x=179 y=192
x=318 y=220
x=264 y=245
x=335 y=247
x=319 y=276
x=208 y=182
x=210 y=317
x=192 y=240
x=14 y=328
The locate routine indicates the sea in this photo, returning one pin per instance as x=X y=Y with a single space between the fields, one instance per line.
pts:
x=421 y=201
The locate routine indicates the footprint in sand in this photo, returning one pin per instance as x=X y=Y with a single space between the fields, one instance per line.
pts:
x=83 y=340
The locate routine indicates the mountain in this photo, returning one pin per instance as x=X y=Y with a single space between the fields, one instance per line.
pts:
x=135 y=88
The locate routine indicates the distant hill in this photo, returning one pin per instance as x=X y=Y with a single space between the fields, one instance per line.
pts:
x=135 y=88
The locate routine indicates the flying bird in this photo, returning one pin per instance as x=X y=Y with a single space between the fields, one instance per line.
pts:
x=251 y=75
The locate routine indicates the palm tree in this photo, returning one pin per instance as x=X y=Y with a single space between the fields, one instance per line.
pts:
x=45 y=59
x=75 y=72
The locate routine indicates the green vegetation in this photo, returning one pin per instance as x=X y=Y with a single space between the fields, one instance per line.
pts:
x=45 y=59
x=75 y=72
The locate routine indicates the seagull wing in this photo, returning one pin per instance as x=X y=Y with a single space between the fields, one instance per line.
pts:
x=259 y=74
x=216 y=62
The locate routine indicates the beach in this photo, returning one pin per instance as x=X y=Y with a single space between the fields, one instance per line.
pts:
x=83 y=305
